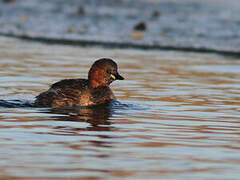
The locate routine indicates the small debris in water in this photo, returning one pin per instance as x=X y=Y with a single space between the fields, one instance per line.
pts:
x=80 y=11
x=140 y=26
x=75 y=31
x=137 y=35
x=155 y=14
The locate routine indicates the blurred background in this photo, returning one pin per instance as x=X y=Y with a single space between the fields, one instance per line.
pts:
x=206 y=25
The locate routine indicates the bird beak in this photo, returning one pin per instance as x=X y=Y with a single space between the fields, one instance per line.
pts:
x=119 y=77
x=116 y=77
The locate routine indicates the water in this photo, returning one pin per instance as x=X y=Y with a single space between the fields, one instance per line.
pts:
x=177 y=116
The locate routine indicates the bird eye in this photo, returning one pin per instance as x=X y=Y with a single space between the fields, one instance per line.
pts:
x=108 y=71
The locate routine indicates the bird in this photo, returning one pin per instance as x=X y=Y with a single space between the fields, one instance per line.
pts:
x=83 y=92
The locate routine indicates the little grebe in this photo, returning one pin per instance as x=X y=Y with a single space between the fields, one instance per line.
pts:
x=83 y=92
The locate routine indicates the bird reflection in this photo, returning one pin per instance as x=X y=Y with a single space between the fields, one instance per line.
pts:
x=96 y=116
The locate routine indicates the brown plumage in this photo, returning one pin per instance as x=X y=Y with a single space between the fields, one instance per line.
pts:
x=83 y=92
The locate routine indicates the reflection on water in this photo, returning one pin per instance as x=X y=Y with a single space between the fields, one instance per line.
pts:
x=177 y=115
x=97 y=117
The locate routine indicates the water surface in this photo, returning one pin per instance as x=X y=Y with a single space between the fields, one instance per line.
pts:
x=177 y=116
